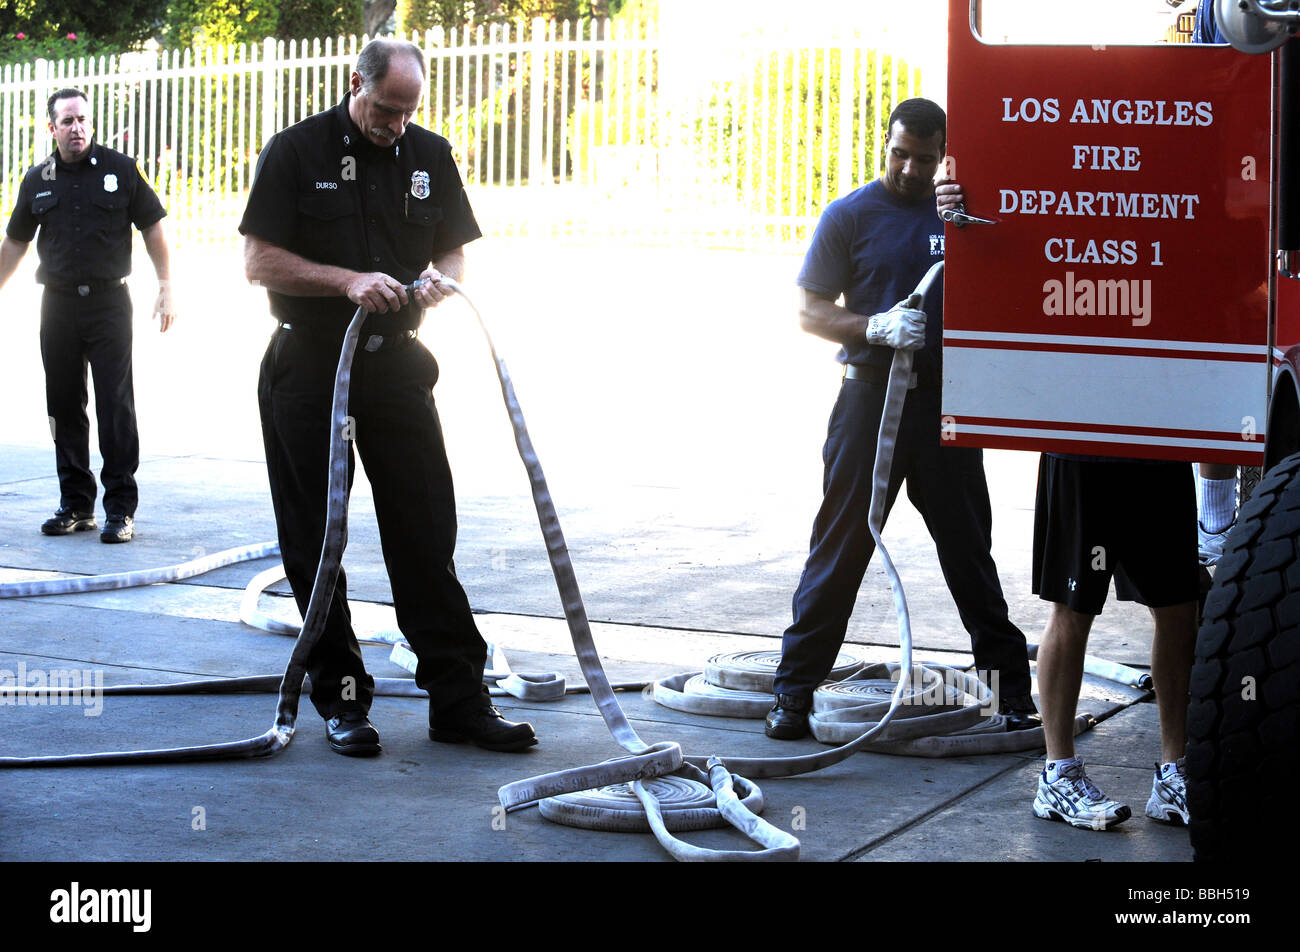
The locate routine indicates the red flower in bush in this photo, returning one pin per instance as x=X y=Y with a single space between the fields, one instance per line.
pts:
x=72 y=36
x=20 y=36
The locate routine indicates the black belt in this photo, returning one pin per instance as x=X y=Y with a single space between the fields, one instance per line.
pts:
x=373 y=342
x=86 y=289
x=872 y=373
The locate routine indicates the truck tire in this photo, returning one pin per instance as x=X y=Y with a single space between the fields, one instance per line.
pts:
x=1243 y=741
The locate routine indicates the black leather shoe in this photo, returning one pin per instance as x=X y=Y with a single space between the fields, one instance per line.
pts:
x=352 y=734
x=788 y=719
x=481 y=724
x=65 y=522
x=118 y=529
x=1020 y=712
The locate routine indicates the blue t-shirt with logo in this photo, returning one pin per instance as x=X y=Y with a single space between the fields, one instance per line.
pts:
x=874 y=249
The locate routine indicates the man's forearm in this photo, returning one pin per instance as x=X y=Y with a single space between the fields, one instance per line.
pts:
x=155 y=243
x=452 y=264
x=277 y=269
x=824 y=318
x=11 y=252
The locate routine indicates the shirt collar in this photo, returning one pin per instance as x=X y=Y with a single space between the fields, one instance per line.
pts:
x=94 y=157
x=350 y=137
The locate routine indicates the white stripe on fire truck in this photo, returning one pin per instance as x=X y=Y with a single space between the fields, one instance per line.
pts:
x=1229 y=441
x=1066 y=341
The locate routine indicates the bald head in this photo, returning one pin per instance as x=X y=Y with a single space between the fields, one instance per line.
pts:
x=376 y=59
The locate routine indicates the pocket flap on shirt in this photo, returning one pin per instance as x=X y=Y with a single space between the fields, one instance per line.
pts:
x=325 y=206
x=423 y=216
x=113 y=200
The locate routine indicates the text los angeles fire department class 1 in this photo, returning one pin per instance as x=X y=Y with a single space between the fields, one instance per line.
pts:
x=1071 y=295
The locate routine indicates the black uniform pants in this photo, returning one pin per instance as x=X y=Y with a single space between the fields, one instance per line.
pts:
x=947 y=486
x=399 y=437
x=75 y=332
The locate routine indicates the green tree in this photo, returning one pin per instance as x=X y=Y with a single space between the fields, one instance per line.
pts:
x=228 y=22
x=220 y=22
x=31 y=29
x=423 y=14
x=320 y=18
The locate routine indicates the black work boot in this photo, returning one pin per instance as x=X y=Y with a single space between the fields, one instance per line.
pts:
x=478 y=722
x=1020 y=712
x=351 y=734
x=788 y=719
x=118 y=529
x=66 y=522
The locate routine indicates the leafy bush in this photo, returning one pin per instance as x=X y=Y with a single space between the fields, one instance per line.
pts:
x=56 y=29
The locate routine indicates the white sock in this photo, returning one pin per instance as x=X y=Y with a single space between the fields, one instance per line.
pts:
x=1218 y=503
x=1057 y=767
x=1168 y=770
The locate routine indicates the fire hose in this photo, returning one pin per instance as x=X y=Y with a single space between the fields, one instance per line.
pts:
x=737 y=799
x=279 y=735
x=645 y=760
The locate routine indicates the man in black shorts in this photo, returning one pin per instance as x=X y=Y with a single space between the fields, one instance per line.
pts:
x=1097 y=517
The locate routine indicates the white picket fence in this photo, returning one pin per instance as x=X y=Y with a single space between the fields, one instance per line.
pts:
x=598 y=129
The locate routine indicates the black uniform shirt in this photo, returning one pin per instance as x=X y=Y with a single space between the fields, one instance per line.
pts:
x=326 y=193
x=84 y=211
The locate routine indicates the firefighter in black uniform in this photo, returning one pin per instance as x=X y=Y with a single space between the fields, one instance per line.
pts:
x=84 y=199
x=347 y=207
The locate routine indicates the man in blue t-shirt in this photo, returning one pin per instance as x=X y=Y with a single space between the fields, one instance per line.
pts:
x=873 y=246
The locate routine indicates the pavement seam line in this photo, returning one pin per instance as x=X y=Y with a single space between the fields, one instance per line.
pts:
x=918 y=820
x=125 y=667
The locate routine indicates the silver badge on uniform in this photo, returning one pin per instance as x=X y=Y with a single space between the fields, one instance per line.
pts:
x=110 y=182
x=419 y=184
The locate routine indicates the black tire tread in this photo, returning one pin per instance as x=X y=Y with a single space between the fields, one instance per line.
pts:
x=1243 y=723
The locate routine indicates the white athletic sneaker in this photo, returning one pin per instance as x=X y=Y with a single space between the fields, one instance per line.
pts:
x=1168 y=802
x=1075 y=799
x=1211 y=543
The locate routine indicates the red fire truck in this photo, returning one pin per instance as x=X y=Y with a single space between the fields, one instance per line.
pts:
x=1136 y=292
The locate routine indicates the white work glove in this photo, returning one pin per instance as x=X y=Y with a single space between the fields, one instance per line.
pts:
x=901 y=327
